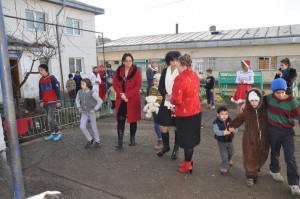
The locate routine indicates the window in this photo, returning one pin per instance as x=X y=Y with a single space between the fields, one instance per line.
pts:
x=266 y=63
x=75 y=24
x=116 y=62
x=36 y=16
x=75 y=64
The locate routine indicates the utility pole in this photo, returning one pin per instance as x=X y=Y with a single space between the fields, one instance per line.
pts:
x=10 y=114
x=59 y=52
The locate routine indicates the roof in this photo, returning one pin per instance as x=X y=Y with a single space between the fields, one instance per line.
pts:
x=78 y=5
x=236 y=37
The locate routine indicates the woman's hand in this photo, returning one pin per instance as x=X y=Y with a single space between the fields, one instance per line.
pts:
x=123 y=96
x=168 y=97
x=279 y=73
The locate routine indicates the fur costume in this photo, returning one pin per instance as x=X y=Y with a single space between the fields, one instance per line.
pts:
x=255 y=138
x=151 y=106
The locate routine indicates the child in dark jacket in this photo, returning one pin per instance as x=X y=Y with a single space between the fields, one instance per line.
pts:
x=209 y=88
x=255 y=138
x=224 y=138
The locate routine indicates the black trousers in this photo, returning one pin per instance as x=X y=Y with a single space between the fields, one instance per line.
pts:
x=122 y=114
x=283 y=137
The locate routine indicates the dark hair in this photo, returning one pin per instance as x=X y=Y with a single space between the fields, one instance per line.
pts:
x=286 y=61
x=77 y=72
x=88 y=82
x=70 y=75
x=172 y=55
x=126 y=55
x=209 y=70
x=185 y=60
x=222 y=108
x=44 y=66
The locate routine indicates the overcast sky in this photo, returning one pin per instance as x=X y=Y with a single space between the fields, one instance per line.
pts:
x=125 y=18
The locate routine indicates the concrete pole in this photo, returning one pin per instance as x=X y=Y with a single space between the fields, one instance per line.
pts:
x=9 y=110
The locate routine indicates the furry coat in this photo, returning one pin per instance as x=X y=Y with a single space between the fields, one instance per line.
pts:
x=255 y=138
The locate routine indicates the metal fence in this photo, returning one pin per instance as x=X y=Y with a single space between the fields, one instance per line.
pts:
x=65 y=117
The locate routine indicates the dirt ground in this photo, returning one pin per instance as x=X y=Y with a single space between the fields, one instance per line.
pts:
x=136 y=172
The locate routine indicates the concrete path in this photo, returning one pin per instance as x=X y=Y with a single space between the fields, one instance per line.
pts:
x=136 y=172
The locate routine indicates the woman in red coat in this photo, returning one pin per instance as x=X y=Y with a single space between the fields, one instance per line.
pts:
x=185 y=97
x=127 y=83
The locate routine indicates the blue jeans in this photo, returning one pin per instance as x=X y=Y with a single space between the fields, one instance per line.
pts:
x=156 y=127
x=210 y=97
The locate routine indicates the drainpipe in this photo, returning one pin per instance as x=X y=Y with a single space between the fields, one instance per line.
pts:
x=10 y=114
x=59 y=52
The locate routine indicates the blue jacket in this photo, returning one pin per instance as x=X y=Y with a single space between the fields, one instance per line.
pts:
x=219 y=127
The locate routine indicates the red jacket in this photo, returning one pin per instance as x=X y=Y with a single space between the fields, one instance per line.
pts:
x=49 y=90
x=133 y=85
x=185 y=94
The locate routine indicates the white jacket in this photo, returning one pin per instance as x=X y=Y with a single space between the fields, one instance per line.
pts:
x=2 y=142
x=93 y=79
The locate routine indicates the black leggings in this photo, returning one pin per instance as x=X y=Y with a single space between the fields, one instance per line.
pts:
x=188 y=154
x=122 y=114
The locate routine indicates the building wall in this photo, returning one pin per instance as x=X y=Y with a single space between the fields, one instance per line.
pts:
x=222 y=58
x=83 y=46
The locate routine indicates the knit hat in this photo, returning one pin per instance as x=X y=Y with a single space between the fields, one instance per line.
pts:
x=70 y=75
x=253 y=96
x=157 y=76
x=278 y=84
x=246 y=62
x=44 y=66
x=108 y=66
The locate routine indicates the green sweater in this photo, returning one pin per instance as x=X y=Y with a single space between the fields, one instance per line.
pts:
x=282 y=113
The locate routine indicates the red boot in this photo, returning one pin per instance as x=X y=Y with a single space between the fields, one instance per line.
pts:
x=187 y=167
x=180 y=164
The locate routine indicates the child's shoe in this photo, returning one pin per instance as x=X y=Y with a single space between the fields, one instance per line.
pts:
x=49 y=137
x=224 y=170
x=97 y=145
x=276 y=176
x=57 y=136
x=230 y=162
x=88 y=144
x=295 y=190
x=159 y=145
x=250 y=182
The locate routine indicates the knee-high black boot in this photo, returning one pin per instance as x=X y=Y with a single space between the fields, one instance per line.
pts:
x=133 y=127
x=175 y=152
x=120 y=139
x=166 y=148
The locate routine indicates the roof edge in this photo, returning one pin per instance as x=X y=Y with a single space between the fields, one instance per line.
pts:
x=78 y=5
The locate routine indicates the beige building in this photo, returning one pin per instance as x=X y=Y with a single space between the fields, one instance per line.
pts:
x=219 y=50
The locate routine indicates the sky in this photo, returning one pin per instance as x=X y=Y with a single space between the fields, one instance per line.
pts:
x=126 y=18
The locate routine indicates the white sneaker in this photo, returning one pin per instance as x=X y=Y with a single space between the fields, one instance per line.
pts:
x=276 y=176
x=111 y=111
x=295 y=190
x=250 y=182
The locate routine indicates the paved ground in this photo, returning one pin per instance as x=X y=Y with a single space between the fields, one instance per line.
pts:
x=136 y=172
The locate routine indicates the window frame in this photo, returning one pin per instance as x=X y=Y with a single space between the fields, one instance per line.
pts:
x=271 y=65
x=75 y=59
x=36 y=25
x=73 y=29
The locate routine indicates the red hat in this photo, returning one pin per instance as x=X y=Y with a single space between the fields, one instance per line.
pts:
x=102 y=66
x=246 y=62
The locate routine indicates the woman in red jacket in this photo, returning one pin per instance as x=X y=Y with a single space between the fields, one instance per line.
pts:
x=185 y=97
x=127 y=83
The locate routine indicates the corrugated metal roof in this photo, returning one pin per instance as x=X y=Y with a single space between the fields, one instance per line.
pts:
x=235 y=37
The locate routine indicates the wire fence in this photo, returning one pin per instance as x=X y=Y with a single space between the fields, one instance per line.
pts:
x=65 y=117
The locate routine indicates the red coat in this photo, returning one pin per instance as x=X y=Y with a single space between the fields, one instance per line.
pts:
x=185 y=94
x=102 y=85
x=132 y=91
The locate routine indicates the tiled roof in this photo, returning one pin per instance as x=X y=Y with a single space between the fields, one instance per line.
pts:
x=235 y=37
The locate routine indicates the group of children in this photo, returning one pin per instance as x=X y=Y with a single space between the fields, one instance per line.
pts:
x=269 y=122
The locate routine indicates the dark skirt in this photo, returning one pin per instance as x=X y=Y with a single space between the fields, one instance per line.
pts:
x=164 y=116
x=189 y=130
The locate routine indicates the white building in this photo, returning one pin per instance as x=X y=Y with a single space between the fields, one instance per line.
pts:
x=78 y=47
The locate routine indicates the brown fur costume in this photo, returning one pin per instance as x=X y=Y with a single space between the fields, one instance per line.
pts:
x=255 y=138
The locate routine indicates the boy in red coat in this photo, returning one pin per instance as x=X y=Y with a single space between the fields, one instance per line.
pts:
x=49 y=100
